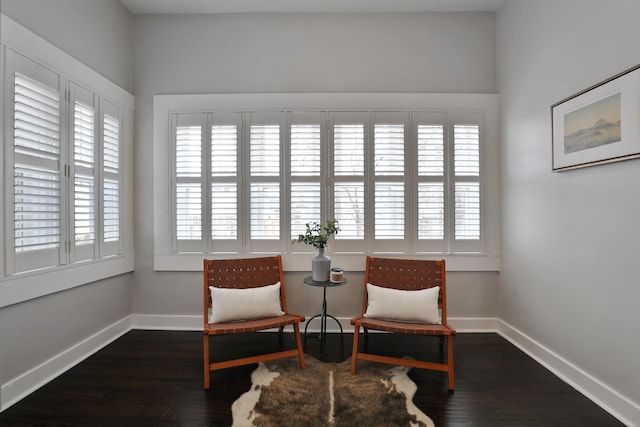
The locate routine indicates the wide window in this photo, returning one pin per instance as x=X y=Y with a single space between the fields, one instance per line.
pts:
x=406 y=182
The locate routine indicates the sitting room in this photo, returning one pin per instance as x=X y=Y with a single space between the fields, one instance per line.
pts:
x=141 y=137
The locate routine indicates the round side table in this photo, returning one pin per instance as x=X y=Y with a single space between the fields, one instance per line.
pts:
x=323 y=315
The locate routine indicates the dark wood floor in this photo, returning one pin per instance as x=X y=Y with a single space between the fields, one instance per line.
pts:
x=154 y=378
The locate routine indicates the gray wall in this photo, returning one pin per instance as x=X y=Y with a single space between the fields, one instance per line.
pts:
x=569 y=277
x=97 y=33
x=245 y=53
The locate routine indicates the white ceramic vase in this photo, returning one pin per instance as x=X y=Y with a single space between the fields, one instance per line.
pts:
x=320 y=266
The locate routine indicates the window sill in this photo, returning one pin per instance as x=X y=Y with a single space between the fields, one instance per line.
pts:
x=26 y=286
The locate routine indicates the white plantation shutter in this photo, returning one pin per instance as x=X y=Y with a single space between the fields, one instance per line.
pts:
x=264 y=177
x=224 y=182
x=83 y=172
x=227 y=225
x=306 y=162
x=430 y=138
x=188 y=181
x=389 y=171
x=37 y=216
x=348 y=134
x=467 y=181
x=111 y=179
x=396 y=181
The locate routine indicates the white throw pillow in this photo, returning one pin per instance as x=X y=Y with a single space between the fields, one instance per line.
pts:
x=406 y=306
x=230 y=304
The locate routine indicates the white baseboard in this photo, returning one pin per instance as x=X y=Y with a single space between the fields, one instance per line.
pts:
x=18 y=388
x=613 y=402
x=601 y=394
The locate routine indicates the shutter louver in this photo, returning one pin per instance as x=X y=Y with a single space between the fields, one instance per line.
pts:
x=349 y=207
x=37 y=119
x=305 y=172
x=265 y=150
x=430 y=210
x=431 y=182
x=224 y=211
x=467 y=150
x=389 y=210
x=348 y=164
x=111 y=210
x=188 y=194
x=224 y=150
x=389 y=146
x=224 y=188
x=84 y=210
x=467 y=211
x=305 y=150
x=111 y=148
x=265 y=186
x=467 y=187
x=305 y=206
x=37 y=208
x=430 y=150
x=36 y=175
x=188 y=211
x=111 y=168
x=389 y=195
x=84 y=182
x=265 y=211
x=348 y=149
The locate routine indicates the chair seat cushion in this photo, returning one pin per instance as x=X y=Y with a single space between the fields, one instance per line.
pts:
x=419 y=306
x=231 y=304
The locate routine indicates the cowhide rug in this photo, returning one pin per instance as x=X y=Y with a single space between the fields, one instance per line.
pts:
x=326 y=394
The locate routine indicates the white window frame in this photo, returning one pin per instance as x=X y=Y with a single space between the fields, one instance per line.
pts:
x=75 y=268
x=296 y=258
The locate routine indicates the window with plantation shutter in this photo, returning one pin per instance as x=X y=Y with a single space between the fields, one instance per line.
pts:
x=67 y=201
x=397 y=181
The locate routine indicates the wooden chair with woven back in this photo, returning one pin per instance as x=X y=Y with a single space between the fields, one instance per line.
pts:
x=243 y=296
x=405 y=296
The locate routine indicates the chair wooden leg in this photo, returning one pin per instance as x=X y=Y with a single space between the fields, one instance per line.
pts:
x=450 y=362
x=296 y=331
x=354 y=354
x=207 y=372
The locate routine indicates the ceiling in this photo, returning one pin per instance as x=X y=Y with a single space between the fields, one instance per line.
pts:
x=306 y=6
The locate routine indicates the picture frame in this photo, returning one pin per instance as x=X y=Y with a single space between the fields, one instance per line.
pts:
x=600 y=124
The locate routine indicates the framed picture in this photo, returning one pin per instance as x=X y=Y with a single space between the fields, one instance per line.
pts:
x=598 y=125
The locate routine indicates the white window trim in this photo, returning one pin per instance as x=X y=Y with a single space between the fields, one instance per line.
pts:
x=33 y=284
x=164 y=105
